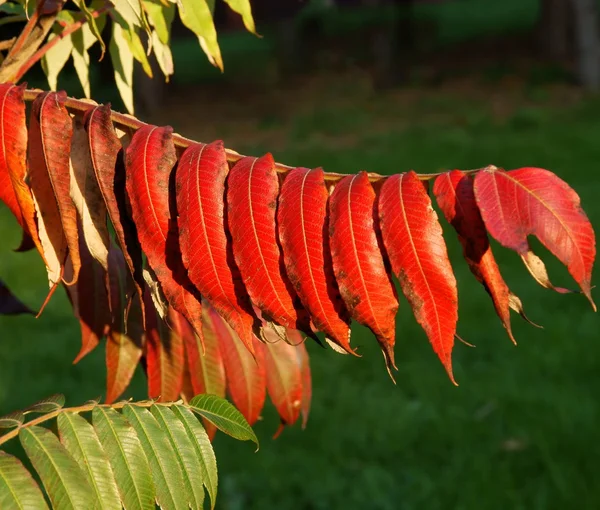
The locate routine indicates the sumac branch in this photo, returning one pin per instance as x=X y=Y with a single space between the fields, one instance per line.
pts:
x=212 y=266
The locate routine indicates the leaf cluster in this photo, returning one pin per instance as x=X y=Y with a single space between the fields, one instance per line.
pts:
x=140 y=30
x=128 y=455
x=212 y=266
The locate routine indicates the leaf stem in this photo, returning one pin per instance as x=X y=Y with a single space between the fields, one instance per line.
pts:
x=128 y=122
x=79 y=409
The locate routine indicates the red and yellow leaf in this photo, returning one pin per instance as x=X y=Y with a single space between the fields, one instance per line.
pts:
x=206 y=251
x=107 y=161
x=164 y=354
x=205 y=367
x=150 y=160
x=284 y=378
x=246 y=374
x=87 y=197
x=302 y=219
x=89 y=299
x=252 y=189
x=50 y=132
x=455 y=196
x=534 y=201
x=125 y=337
x=304 y=364
x=364 y=282
x=413 y=240
x=14 y=192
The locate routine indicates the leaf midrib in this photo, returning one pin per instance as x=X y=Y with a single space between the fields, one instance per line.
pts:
x=418 y=262
x=87 y=462
x=58 y=473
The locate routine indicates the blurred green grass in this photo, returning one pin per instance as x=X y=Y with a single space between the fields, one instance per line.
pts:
x=520 y=431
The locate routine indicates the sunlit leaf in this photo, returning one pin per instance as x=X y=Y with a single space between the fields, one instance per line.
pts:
x=196 y=15
x=224 y=416
x=81 y=441
x=202 y=449
x=126 y=457
x=122 y=60
x=18 y=489
x=161 y=456
x=63 y=480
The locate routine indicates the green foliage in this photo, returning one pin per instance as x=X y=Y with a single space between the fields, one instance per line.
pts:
x=140 y=30
x=129 y=454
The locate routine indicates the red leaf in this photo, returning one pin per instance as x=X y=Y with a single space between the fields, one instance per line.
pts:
x=302 y=218
x=150 y=159
x=252 y=189
x=50 y=132
x=284 y=379
x=206 y=251
x=206 y=369
x=10 y=304
x=90 y=301
x=164 y=355
x=125 y=337
x=246 y=376
x=455 y=196
x=105 y=149
x=304 y=364
x=14 y=192
x=533 y=201
x=364 y=282
x=413 y=239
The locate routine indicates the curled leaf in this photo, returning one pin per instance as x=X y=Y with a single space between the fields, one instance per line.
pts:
x=534 y=201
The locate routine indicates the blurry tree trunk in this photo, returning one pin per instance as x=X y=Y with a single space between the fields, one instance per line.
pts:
x=392 y=45
x=588 y=43
x=555 y=29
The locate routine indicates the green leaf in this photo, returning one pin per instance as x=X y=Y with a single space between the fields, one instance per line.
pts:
x=122 y=60
x=81 y=61
x=196 y=15
x=127 y=458
x=64 y=482
x=94 y=26
x=137 y=50
x=163 y=462
x=18 y=489
x=242 y=7
x=47 y=405
x=184 y=450
x=203 y=450
x=135 y=44
x=131 y=11
x=81 y=441
x=55 y=59
x=224 y=416
x=163 y=54
x=12 y=420
x=161 y=16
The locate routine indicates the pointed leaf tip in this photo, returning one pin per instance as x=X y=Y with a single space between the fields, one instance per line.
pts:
x=364 y=282
x=225 y=416
x=303 y=220
x=417 y=251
